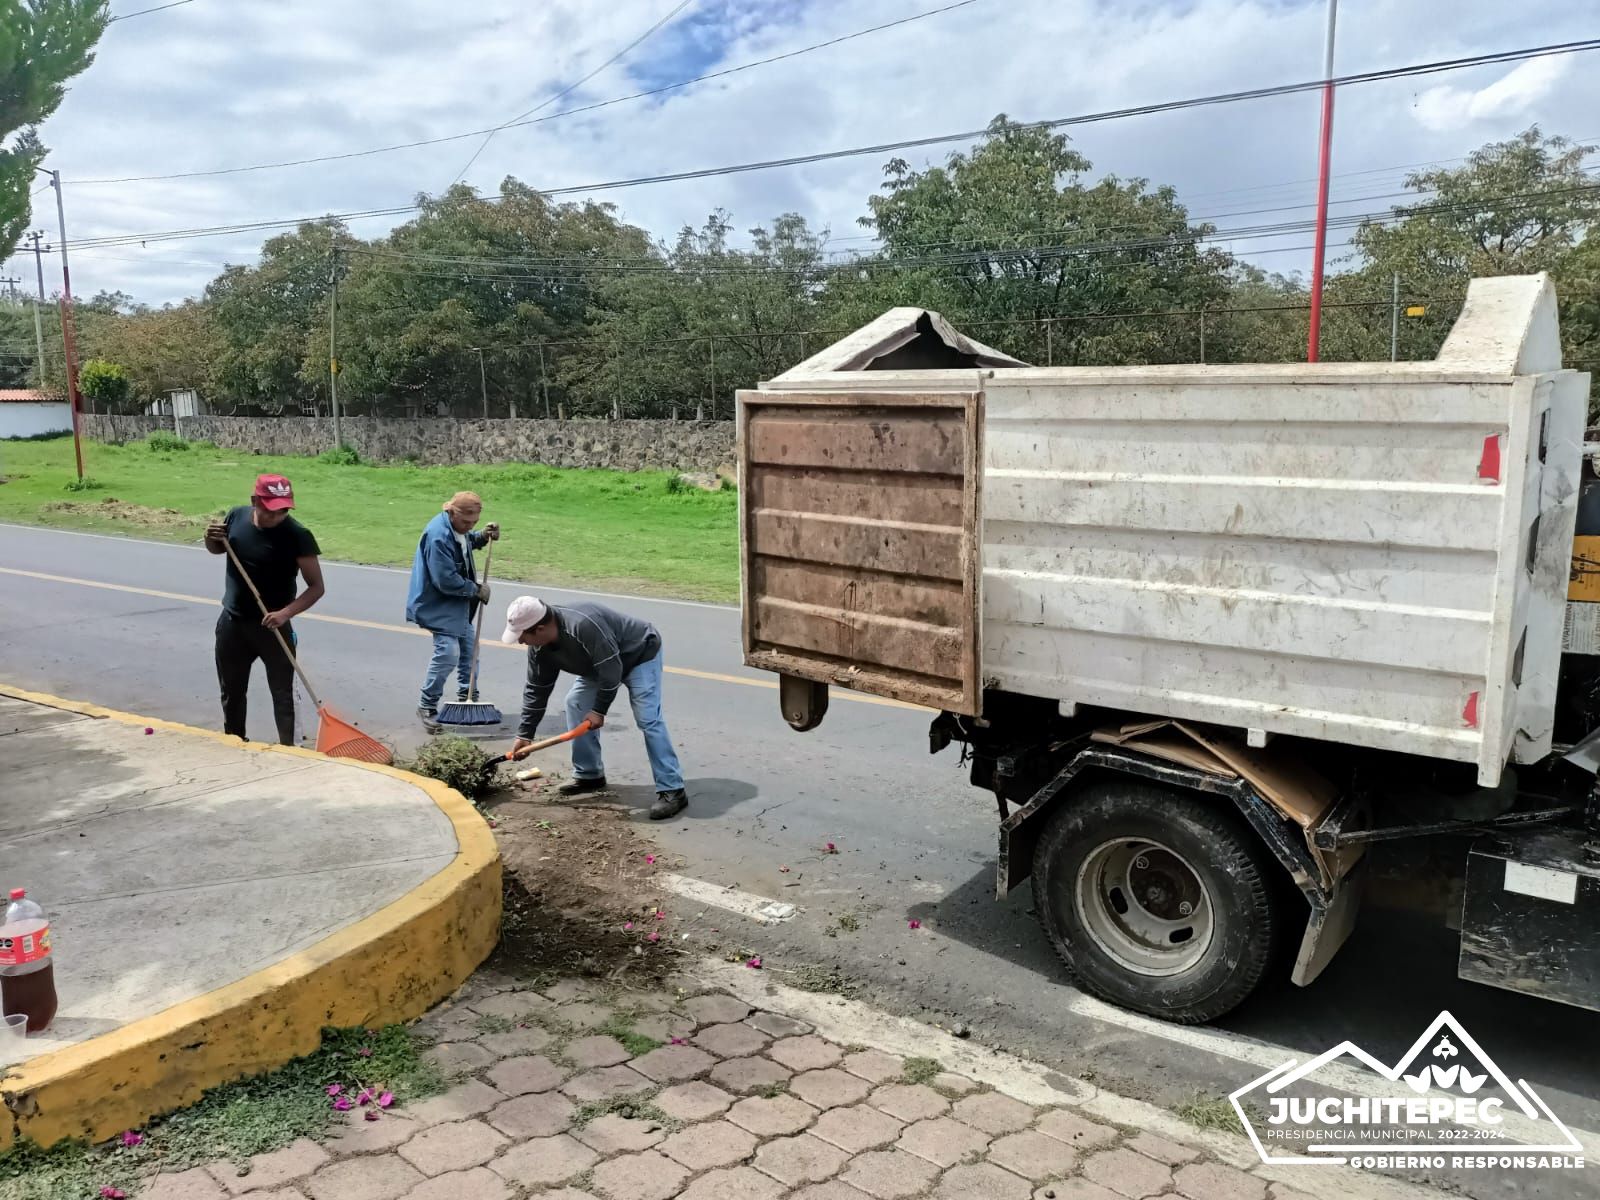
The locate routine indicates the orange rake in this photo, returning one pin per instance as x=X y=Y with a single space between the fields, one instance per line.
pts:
x=336 y=737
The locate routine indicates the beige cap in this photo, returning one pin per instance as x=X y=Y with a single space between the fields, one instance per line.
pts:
x=525 y=612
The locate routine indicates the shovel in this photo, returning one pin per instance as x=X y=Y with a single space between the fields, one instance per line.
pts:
x=518 y=755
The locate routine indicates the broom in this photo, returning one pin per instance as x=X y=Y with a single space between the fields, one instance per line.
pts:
x=470 y=711
x=336 y=737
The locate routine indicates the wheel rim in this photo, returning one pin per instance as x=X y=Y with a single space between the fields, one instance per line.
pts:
x=1145 y=906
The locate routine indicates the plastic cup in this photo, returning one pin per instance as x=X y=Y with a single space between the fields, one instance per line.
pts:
x=16 y=1023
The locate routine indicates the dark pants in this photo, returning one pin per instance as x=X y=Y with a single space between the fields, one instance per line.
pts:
x=240 y=641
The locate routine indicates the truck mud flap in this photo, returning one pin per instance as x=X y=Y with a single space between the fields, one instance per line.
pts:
x=1530 y=920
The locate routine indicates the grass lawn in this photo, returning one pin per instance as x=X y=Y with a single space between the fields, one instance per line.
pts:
x=606 y=530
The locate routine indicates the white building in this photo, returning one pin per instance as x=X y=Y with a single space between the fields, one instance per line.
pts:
x=28 y=412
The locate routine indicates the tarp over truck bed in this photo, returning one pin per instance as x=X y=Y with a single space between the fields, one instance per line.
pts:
x=1374 y=554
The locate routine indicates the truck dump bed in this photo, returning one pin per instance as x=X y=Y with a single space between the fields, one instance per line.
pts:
x=1372 y=554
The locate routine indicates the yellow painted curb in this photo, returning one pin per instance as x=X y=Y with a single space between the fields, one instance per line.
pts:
x=390 y=966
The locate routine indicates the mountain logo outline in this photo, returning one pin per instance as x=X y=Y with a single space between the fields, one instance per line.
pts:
x=1447 y=1039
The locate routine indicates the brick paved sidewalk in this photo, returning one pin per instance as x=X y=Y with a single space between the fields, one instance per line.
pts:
x=735 y=1103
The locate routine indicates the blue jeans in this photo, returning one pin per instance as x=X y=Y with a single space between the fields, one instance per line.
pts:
x=448 y=651
x=644 y=695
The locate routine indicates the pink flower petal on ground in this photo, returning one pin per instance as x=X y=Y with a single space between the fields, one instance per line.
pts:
x=365 y=1052
x=678 y=1042
x=148 y=731
x=366 y=1097
x=370 y=1115
x=660 y=916
x=132 y=1139
x=111 y=1193
x=385 y=1100
x=651 y=859
x=342 y=1104
x=654 y=937
x=628 y=928
x=830 y=848
x=333 y=1089
x=754 y=964
x=914 y=924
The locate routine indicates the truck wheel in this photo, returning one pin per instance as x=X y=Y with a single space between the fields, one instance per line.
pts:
x=1156 y=899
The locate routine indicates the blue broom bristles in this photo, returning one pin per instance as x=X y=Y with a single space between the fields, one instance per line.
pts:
x=476 y=712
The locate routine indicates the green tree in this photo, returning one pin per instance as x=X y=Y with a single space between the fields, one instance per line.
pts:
x=699 y=320
x=503 y=276
x=1014 y=244
x=1515 y=208
x=43 y=43
x=105 y=385
x=262 y=316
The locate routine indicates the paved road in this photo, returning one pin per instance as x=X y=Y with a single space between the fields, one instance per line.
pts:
x=914 y=840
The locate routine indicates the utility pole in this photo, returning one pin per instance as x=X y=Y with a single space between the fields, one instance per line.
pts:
x=333 y=336
x=69 y=333
x=1324 y=156
x=544 y=382
x=1049 y=343
x=1394 y=321
x=713 y=342
x=11 y=282
x=38 y=324
x=1202 y=337
x=483 y=381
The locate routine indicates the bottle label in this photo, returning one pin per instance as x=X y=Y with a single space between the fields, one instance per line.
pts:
x=21 y=949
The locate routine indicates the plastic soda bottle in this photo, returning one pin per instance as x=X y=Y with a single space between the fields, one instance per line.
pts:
x=27 y=970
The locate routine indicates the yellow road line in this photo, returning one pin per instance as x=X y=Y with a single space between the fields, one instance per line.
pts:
x=412 y=630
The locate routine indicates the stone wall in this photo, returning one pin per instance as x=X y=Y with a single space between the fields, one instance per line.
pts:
x=701 y=446
x=100 y=427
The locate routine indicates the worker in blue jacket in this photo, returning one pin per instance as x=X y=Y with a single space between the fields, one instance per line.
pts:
x=444 y=594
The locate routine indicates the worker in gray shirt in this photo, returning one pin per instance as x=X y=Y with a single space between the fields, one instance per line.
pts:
x=606 y=650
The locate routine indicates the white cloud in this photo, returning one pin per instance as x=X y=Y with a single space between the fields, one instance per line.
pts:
x=215 y=83
x=1514 y=95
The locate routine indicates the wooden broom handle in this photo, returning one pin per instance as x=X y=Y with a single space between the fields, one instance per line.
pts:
x=477 y=631
x=277 y=633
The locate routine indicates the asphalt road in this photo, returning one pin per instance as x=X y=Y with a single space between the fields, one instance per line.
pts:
x=128 y=624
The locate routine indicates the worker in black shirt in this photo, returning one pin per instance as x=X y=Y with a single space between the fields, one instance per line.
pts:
x=275 y=549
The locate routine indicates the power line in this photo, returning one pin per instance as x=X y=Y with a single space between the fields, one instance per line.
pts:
x=145 y=12
x=569 y=112
x=577 y=267
x=572 y=87
x=887 y=147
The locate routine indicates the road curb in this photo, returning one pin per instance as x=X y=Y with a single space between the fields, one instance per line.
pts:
x=369 y=973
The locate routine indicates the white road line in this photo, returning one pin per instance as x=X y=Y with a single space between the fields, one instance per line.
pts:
x=1265 y=1057
x=756 y=908
x=570 y=591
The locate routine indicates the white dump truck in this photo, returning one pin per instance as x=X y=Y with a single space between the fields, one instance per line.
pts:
x=1229 y=644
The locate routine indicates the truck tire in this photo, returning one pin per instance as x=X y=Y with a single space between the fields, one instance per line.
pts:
x=1156 y=899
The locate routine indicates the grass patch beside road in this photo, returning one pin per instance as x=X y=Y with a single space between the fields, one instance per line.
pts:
x=607 y=530
x=233 y=1122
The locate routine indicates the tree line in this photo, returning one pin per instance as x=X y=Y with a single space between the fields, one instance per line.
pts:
x=515 y=304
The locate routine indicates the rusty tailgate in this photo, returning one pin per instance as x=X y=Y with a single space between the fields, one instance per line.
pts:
x=860 y=541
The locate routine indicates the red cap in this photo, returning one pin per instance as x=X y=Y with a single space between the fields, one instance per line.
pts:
x=274 y=492
x=18 y=893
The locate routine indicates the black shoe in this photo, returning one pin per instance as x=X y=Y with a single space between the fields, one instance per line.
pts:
x=429 y=718
x=668 y=804
x=582 y=787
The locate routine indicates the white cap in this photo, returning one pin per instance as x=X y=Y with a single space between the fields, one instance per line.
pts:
x=525 y=612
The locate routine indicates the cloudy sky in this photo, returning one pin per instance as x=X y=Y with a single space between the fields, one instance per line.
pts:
x=215 y=84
